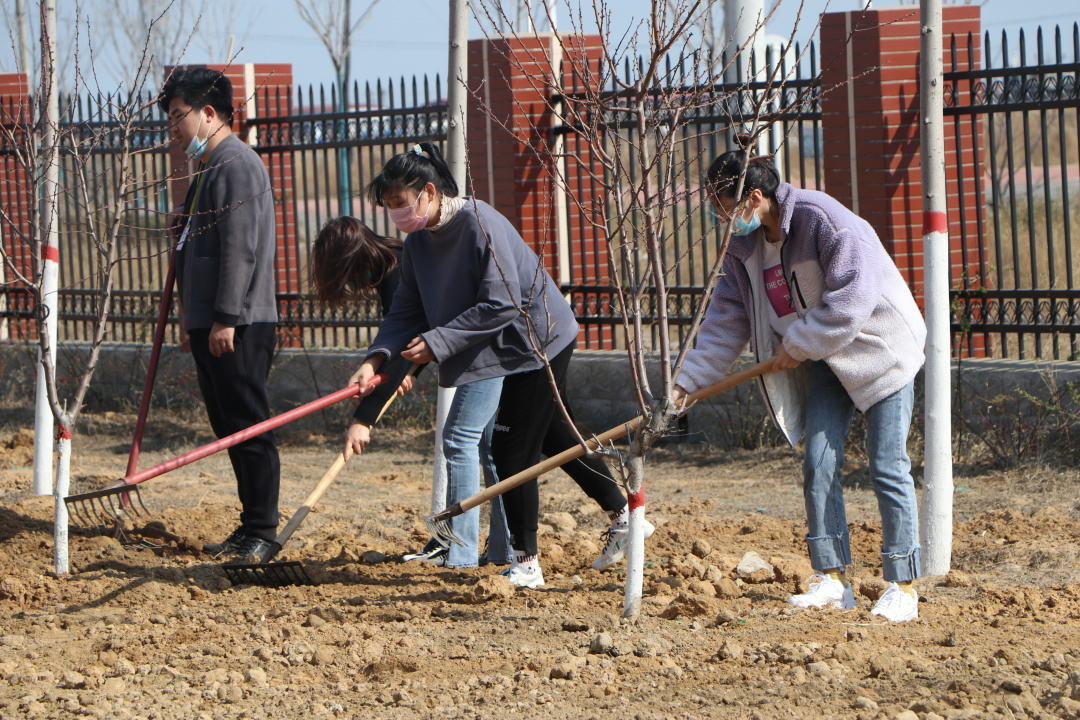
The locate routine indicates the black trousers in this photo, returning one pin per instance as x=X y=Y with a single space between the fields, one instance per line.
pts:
x=234 y=389
x=529 y=424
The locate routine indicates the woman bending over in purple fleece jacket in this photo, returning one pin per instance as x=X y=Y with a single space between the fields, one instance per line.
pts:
x=808 y=282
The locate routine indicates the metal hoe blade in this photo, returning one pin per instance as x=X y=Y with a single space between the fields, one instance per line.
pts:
x=273 y=574
x=105 y=508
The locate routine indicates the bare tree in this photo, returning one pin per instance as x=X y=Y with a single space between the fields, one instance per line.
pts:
x=106 y=178
x=161 y=32
x=625 y=130
x=333 y=24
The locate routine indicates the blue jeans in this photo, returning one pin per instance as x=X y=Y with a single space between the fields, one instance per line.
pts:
x=829 y=410
x=498 y=541
x=469 y=422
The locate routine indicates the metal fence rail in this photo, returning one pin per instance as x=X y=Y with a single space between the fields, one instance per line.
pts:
x=1024 y=116
x=320 y=160
x=792 y=117
x=1019 y=104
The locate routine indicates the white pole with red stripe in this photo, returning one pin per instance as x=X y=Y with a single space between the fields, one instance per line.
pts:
x=49 y=195
x=935 y=515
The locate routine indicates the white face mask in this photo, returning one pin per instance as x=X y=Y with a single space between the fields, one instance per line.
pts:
x=197 y=147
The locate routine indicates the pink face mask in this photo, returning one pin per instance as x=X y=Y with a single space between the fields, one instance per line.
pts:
x=406 y=220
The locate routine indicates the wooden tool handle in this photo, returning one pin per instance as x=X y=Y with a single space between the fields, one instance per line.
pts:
x=613 y=434
x=303 y=510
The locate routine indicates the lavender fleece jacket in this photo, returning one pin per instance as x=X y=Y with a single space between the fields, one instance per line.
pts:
x=475 y=292
x=855 y=310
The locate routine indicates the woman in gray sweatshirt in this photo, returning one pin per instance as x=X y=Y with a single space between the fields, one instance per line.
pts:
x=808 y=282
x=473 y=297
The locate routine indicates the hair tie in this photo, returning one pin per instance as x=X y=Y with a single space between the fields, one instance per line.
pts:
x=418 y=150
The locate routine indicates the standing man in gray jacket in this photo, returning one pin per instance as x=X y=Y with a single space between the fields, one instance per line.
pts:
x=225 y=275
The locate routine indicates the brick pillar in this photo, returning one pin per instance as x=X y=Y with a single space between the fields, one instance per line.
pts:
x=511 y=144
x=16 y=192
x=264 y=91
x=870 y=126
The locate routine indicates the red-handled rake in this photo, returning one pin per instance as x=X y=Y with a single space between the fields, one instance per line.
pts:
x=439 y=524
x=108 y=507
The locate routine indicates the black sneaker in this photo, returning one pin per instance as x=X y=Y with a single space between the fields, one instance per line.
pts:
x=438 y=558
x=432 y=548
x=252 y=548
x=228 y=546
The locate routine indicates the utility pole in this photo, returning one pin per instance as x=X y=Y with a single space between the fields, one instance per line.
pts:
x=457 y=91
x=935 y=516
x=744 y=28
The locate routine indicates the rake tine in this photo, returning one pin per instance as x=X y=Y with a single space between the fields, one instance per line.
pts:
x=442 y=529
x=268 y=574
x=77 y=510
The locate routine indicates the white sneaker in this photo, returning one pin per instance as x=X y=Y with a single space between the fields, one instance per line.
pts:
x=616 y=538
x=826 y=593
x=897 y=605
x=522 y=575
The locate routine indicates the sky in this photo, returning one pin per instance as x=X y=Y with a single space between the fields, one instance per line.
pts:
x=409 y=37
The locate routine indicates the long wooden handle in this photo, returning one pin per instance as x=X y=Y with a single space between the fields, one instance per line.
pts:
x=303 y=510
x=577 y=451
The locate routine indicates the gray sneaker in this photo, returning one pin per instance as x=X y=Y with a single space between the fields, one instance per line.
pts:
x=228 y=546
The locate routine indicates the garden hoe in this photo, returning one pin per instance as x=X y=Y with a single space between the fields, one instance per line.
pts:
x=112 y=506
x=276 y=574
x=439 y=525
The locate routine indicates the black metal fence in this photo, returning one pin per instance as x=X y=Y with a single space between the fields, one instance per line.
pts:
x=1022 y=106
x=785 y=97
x=1022 y=109
x=320 y=160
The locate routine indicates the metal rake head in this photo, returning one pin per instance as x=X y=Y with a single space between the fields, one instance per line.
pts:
x=442 y=530
x=105 y=508
x=268 y=574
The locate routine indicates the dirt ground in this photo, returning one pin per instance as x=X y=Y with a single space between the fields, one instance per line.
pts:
x=137 y=633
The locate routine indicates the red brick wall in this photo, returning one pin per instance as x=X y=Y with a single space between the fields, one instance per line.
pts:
x=15 y=188
x=510 y=144
x=875 y=77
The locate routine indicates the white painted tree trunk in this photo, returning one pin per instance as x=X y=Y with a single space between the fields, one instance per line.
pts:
x=635 y=550
x=60 y=516
x=935 y=517
x=50 y=192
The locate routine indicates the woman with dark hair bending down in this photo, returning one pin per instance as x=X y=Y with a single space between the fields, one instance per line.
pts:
x=351 y=263
x=474 y=297
x=808 y=282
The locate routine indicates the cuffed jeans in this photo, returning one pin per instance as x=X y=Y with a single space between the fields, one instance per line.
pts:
x=829 y=411
x=468 y=428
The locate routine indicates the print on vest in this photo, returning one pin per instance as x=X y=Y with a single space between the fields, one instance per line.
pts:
x=776 y=288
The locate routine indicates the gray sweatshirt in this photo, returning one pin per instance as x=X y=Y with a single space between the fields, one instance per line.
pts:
x=225 y=271
x=479 y=297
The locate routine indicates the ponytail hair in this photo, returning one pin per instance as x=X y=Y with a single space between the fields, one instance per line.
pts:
x=413 y=170
x=723 y=175
x=349 y=261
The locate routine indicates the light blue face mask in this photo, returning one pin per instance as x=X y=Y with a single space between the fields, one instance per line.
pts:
x=197 y=147
x=742 y=227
